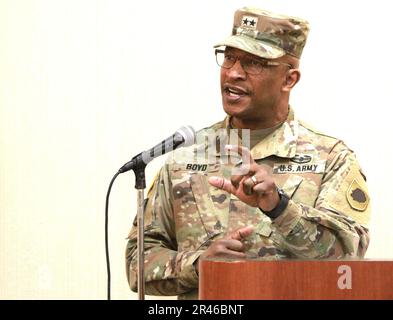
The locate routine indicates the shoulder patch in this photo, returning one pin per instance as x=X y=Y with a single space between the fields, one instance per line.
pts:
x=357 y=197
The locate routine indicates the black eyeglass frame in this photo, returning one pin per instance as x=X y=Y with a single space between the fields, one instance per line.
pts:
x=263 y=63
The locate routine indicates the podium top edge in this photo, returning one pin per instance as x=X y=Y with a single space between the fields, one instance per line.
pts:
x=294 y=260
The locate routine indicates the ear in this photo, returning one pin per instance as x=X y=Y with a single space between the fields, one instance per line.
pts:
x=292 y=77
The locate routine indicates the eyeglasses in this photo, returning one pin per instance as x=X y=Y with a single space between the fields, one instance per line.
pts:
x=227 y=60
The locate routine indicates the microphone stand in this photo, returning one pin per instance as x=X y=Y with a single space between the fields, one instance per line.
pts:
x=138 y=164
x=140 y=185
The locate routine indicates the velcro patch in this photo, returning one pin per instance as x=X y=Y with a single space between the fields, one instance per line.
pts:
x=357 y=198
x=299 y=168
x=301 y=158
x=196 y=167
x=249 y=22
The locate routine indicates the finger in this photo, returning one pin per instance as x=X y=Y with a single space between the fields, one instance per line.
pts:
x=241 y=233
x=242 y=151
x=233 y=254
x=222 y=184
x=233 y=244
x=259 y=183
x=244 y=169
x=240 y=172
x=264 y=188
x=248 y=185
x=223 y=248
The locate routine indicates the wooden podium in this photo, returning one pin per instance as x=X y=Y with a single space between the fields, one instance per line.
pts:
x=295 y=279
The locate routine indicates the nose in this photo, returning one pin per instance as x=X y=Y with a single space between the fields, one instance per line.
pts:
x=237 y=72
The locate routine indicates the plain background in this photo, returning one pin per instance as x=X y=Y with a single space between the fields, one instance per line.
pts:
x=87 y=84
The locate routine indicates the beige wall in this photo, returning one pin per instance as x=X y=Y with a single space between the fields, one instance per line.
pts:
x=84 y=85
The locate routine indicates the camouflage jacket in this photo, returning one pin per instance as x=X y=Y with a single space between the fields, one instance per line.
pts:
x=327 y=214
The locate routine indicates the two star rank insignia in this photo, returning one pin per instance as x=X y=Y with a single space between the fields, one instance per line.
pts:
x=249 y=22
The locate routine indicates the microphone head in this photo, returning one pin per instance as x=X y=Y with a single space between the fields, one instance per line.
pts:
x=188 y=134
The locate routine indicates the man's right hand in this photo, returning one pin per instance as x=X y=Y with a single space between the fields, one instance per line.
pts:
x=230 y=246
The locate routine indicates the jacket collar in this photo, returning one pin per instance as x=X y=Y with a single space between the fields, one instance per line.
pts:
x=282 y=142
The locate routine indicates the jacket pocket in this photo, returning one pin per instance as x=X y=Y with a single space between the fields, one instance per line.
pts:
x=194 y=208
x=207 y=203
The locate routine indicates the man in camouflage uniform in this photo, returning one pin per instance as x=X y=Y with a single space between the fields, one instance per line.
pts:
x=293 y=193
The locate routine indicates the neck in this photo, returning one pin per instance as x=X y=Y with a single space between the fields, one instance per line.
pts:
x=271 y=120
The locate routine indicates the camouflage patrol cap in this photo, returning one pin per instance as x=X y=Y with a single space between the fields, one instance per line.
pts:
x=266 y=34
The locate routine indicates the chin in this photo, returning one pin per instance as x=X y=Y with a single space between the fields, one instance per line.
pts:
x=233 y=110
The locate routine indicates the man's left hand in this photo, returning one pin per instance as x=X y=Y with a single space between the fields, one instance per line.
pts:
x=256 y=187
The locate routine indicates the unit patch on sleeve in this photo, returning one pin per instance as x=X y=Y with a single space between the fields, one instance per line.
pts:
x=357 y=197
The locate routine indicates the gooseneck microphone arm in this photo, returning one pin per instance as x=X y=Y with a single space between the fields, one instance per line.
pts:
x=185 y=136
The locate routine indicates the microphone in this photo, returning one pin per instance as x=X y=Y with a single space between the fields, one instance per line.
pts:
x=183 y=137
